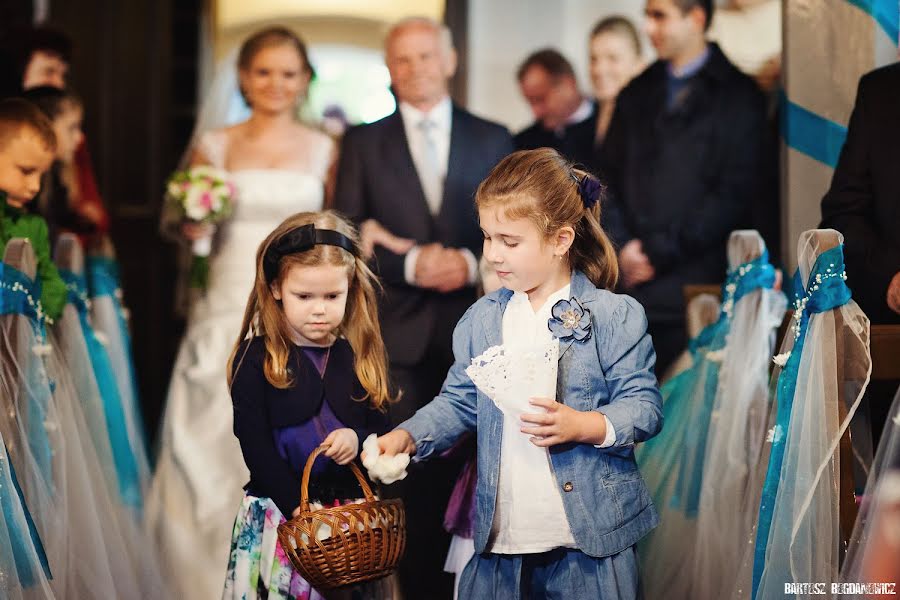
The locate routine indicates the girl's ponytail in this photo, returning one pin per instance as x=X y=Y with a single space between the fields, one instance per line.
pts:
x=592 y=252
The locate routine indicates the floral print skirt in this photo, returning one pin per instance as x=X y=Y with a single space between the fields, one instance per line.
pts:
x=259 y=569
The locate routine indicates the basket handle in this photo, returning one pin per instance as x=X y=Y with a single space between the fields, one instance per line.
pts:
x=304 y=485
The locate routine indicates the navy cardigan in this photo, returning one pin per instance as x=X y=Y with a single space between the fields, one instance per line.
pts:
x=260 y=409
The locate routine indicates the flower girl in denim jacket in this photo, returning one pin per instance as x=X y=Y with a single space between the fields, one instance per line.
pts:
x=555 y=375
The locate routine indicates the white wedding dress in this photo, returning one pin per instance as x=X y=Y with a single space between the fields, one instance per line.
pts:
x=200 y=472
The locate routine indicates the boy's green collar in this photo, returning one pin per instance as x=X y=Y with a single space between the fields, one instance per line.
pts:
x=6 y=209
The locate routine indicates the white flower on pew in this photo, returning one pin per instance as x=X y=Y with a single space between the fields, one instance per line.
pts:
x=42 y=349
x=716 y=355
x=781 y=359
x=774 y=435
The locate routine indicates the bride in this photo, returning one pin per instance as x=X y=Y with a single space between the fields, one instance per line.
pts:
x=279 y=167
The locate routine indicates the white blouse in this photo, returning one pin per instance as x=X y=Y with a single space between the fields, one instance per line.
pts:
x=529 y=516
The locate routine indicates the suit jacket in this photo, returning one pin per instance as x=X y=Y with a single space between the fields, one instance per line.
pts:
x=863 y=202
x=682 y=179
x=576 y=142
x=378 y=180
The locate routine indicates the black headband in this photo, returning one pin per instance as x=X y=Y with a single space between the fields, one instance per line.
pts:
x=299 y=240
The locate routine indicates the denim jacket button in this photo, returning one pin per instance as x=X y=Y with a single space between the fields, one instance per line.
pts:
x=568 y=487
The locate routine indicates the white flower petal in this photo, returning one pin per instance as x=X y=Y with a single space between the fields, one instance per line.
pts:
x=42 y=349
x=781 y=359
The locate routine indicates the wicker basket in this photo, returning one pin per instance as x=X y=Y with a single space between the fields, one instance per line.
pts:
x=333 y=547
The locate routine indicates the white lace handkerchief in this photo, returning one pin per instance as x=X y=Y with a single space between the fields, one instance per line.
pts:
x=510 y=376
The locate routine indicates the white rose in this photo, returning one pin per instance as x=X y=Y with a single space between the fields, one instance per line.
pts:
x=193 y=209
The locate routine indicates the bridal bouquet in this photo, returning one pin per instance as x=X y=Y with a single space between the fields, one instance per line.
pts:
x=200 y=195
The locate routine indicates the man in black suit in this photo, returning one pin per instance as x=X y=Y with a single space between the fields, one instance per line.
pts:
x=416 y=172
x=863 y=203
x=564 y=119
x=864 y=200
x=682 y=160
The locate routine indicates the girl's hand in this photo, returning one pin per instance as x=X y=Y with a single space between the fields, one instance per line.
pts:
x=396 y=442
x=562 y=424
x=343 y=445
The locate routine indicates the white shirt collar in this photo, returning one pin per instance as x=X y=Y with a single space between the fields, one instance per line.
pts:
x=560 y=294
x=583 y=112
x=440 y=114
x=523 y=327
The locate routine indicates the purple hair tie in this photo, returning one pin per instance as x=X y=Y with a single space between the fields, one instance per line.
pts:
x=590 y=189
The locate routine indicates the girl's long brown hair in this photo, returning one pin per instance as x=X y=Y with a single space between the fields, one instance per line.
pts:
x=540 y=185
x=264 y=316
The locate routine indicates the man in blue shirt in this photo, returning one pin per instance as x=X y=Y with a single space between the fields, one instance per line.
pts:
x=682 y=159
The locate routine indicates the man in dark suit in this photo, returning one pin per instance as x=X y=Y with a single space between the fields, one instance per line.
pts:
x=864 y=200
x=416 y=172
x=682 y=160
x=564 y=119
x=863 y=203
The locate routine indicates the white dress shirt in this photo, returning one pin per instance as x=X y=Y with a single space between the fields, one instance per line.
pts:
x=583 y=111
x=441 y=118
x=529 y=516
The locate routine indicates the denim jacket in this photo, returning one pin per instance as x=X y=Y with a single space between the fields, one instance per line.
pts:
x=606 y=501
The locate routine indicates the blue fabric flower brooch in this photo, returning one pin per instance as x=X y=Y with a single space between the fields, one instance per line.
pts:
x=570 y=320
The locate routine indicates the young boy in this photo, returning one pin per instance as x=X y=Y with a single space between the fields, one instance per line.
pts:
x=27 y=149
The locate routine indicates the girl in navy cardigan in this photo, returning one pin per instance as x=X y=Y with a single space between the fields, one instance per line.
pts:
x=309 y=368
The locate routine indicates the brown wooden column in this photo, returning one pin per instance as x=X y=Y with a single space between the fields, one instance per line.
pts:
x=456 y=17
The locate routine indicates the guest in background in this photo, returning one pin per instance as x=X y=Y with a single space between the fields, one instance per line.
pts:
x=58 y=198
x=863 y=203
x=749 y=33
x=681 y=158
x=39 y=57
x=334 y=120
x=565 y=119
x=415 y=172
x=33 y=57
x=615 y=53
